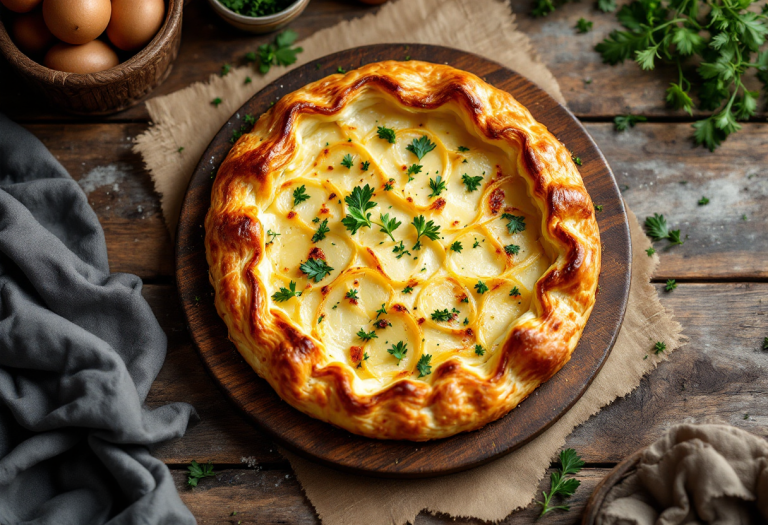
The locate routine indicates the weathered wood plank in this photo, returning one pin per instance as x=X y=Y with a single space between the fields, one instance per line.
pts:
x=274 y=496
x=650 y=163
x=720 y=373
x=119 y=189
x=208 y=43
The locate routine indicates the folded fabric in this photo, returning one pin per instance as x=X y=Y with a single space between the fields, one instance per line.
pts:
x=79 y=349
x=695 y=474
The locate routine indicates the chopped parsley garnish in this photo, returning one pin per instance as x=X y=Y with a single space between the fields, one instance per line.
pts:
x=365 y=165
x=515 y=292
x=658 y=229
x=316 y=220
x=598 y=208
x=367 y=336
x=423 y=365
x=516 y=223
x=413 y=169
x=424 y=228
x=388 y=225
x=407 y=290
x=381 y=311
x=198 y=472
x=279 y=52
x=512 y=249
x=479 y=350
x=472 y=183
x=300 y=195
x=180 y=149
x=456 y=246
x=341 y=70
x=463 y=149
x=284 y=294
x=387 y=134
x=466 y=321
x=322 y=229
x=225 y=69
x=480 y=287
x=273 y=235
x=703 y=201
x=659 y=347
x=352 y=294
x=623 y=122
x=389 y=185
x=650 y=251
x=247 y=80
x=359 y=202
x=477 y=243
x=584 y=25
x=576 y=160
x=216 y=101
x=671 y=285
x=348 y=161
x=398 y=351
x=765 y=343
x=560 y=484
x=400 y=250
x=315 y=269
x=437 y=185
x=320 y=319
x=442 y=315
x=421 y=146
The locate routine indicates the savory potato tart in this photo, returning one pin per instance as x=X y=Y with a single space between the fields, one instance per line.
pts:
x=402 y=250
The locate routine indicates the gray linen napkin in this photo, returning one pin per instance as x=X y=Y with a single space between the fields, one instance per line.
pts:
x=695 y=474
x=79 y=349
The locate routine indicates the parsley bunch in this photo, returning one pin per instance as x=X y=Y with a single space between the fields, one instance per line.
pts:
x=256 y=7
x=279 y=52
x=723 y=34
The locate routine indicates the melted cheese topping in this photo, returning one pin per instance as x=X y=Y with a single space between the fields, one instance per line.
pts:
x=457 y=295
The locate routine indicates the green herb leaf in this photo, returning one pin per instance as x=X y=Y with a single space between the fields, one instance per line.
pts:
x=198 y=472
x=671 y=285
x=622 y=122
x=472 y=183
x=358 y=203
x=315 y=269
x=398 y=351
x=456 y=246
x=348 y=161
x=437 y=185
x=367 y=336
x=387 y=134
x=514 y=292
x=442 y=315
x=423 y=365
x=421 y=146
x=479 y=350
x=659 y=347
x=585 y=26
x=413 y=169
x=480 y=287
x=300 y=195
x=516 y=223
x=560 y=484
x=365 y=165
x=463 y=149
x=512 y=249
x=284 y=293
x=703 y=201
x=352 y=294
x=322 y=229
x=424 y=228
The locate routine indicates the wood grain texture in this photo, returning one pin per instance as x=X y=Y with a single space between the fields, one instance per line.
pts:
x=322 y=442
x=719 y=374
x=271 y=497
x=107 y=91
x=613 y=90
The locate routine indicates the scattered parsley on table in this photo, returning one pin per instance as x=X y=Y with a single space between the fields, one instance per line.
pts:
x=671 y=285
x=560 y=484
x=659 y=347
x=277 y=53
x=198 y=472
x=583 y=25
x=624 y=122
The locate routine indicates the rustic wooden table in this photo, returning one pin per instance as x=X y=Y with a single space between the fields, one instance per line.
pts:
x=722 y=268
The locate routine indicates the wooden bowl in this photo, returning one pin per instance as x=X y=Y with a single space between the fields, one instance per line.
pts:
x=614 y=477
x=107 y=91
x=259 y=24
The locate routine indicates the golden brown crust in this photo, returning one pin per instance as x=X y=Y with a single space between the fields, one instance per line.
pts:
x=457 y=398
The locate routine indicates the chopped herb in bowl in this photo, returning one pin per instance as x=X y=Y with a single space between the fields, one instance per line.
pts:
x=256 y=7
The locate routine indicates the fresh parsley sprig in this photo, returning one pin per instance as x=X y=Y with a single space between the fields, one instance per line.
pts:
x=559 y=482
x=285 y=293
x=515 y=224
x=423 y=365
x=472 y=183
x=315 y=269
x=279 y=52
x=723 y=36
x=623 y=122
x=437 y=185
x=421 y=146
x=300 y=195
x=367 y=336
x=359 y=202
x=322 y=229
x=398 y=351
x=424 y=228
x=198 y=472
x=658 y=229
x=386 y=133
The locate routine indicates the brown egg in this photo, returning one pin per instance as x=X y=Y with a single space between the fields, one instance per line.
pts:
x=20 y=6
x=30 y=34
x=135 y=22
x=77 y=21
x=86 y=58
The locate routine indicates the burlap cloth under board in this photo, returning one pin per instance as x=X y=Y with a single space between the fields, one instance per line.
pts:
x=486 y=27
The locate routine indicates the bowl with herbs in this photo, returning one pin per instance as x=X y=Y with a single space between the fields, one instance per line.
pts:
x=258 y=16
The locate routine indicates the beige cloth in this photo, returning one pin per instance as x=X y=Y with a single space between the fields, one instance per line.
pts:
x=714 y=474
x=486 y=27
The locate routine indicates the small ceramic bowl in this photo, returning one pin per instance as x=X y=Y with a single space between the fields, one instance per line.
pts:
x=260 y=24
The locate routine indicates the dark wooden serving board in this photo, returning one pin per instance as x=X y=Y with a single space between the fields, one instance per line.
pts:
x=338 y=448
